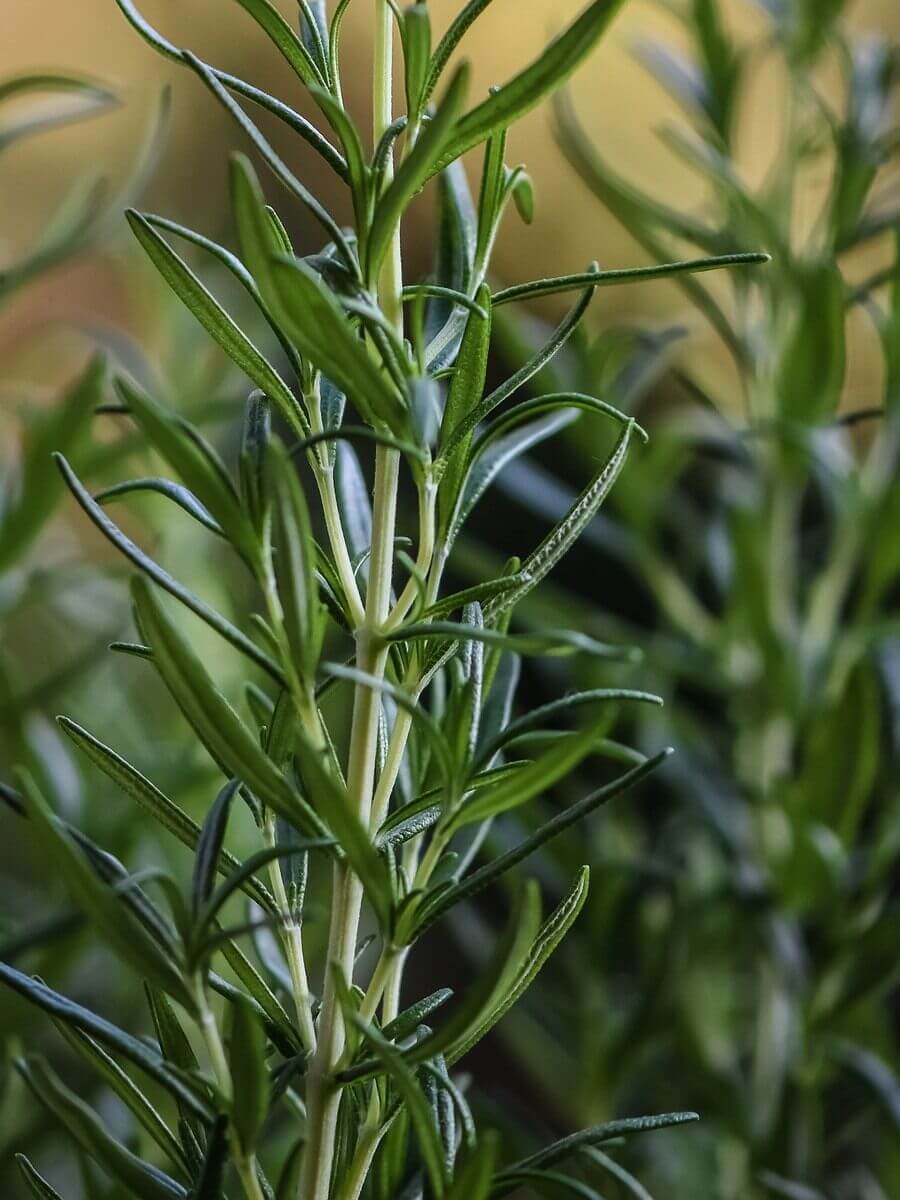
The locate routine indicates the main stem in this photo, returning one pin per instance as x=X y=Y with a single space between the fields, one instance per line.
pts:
x=323 y=1096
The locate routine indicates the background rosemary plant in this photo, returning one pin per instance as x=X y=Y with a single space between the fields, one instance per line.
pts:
x=268 y=1072
x=740 y=937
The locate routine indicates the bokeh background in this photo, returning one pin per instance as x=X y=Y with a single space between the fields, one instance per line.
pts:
x=725 y=1036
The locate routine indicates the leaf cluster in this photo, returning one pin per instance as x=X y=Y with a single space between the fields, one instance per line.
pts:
x=246 y=1037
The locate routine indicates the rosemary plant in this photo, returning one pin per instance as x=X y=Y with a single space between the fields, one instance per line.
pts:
x=323 y=1077
x=742 y=937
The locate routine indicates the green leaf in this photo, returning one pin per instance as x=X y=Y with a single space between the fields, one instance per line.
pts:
x=434 y=908
x=133 y=552
x=416 y=34
x=414 y=290
x=412 y=174
x=154 y=1065
x=314 y=31
x=627 y=1180
x=196 y=463
x=255 y=439
x=466 y=389
x=522 y=187
x=641 y=216
x=457 y=243
x=358 y=168
x=457 y=30
x=277 y=108
x=547 y=939
x=537 y=717
x=296 y=566
x=39 y=485
x=473 y=1180
x=210 y=845
x=403 y=699
x=323 y=334
x=493 y=982
x=127 y=1091
x=55 y=81
x=477 y=594
x=331 y=794
x=461 y=431
x=260 y=240
x=262 y=858
x=424 y=805
x=509 y=421
x=411 y=1018
x=547 y=73
x=597 y=1135
x=354 y=504
x=281 y=1028
x=214 y=319
x=156 y=803
x=121 y=931
x=210 y=1181
x=278 y=167
x=222 y=255
x=547 y=642
x=172 y=1039
x=283 y=37
x=37 y=1184
x=568 y=283
x=142 y=1180
x=877 y=1076
x=561 y=539
x=182 y=496
x=491 y=199
x=531 y=781
x=549 y=1182
x=417 y=1108
x=249 y=1075
x=230 y=743
x=83 y=98
x=492 y=459
x=813 y=362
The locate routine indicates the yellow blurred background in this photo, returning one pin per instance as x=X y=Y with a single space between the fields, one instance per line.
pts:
x=621 y=106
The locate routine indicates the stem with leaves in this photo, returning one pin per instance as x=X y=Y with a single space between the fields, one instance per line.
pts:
x=402 y=824
x=324 y=1096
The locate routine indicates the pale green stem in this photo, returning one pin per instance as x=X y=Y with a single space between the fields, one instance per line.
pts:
x=358 y=1173
x=377 y=983
x=392 y=763
x=245 y=1164
x=211 y=1037
x=391 y=1003
x=324 y=476
x=436 y=848
x=404 y=721
x=338 y=543
x=427 y=504
x=306 y=708
x=323 y=1096
x=292 y=937
x=388 y=978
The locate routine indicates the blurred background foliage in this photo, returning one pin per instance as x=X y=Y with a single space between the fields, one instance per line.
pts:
x=739 y=952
